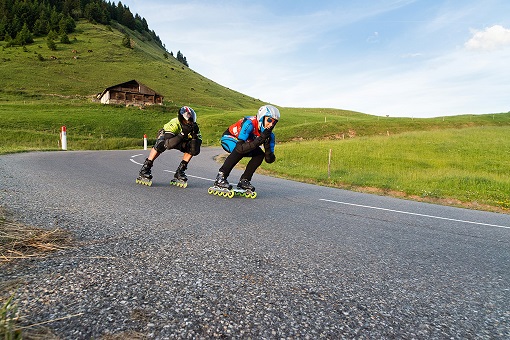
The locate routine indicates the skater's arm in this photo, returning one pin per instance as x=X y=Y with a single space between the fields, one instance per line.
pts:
x=245 y=147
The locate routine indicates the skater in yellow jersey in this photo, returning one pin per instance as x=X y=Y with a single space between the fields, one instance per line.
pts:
x=181 y=133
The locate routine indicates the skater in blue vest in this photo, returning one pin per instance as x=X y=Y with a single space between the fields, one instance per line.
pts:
x=243 y=139
x=181 y=133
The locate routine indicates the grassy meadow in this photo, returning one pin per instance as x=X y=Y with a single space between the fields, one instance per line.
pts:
x=461 y=160
x=453 y=166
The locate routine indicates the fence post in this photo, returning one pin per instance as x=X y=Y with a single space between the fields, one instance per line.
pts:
x=63 y=137
x=329 y=164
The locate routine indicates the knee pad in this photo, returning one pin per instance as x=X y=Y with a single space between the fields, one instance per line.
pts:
x=194 y=147
x=159 y=146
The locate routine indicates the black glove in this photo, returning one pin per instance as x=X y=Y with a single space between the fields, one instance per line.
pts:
x=265 y=134
x=186 y=129
x=161 y=132
x=196 y=129
x=270 y=157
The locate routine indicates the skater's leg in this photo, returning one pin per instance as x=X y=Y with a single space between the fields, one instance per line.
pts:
x=180 y=172
x=187 y=157
x=230 y=162
x=153 y=154
x=226 y=168
x=257 y=156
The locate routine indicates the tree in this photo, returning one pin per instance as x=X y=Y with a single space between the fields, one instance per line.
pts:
x=126 y=41
x=24 y=36
x=51 y=44
x=64 y=38
x=181 y=58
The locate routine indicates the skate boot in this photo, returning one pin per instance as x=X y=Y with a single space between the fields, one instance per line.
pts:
x=245 y=189
x=145 y=175
x=221 y=181
x=221 y=187
x=245 y=185
x=180 y=179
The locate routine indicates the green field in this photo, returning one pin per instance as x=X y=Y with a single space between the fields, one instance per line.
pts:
x=460 y=160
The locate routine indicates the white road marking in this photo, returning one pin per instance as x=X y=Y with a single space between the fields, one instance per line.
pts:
x=415 y=214
x=206 y=179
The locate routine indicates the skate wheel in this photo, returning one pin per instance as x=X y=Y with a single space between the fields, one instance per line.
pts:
x=229 y=194
x=253 y=195
x=210 y=191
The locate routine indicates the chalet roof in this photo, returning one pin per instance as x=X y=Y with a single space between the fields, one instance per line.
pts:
x=132 y=86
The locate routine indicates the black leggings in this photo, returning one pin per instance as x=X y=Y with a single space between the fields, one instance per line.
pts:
x=257 y=156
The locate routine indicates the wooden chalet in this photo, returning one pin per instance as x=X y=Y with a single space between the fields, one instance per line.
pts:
x=130 y=93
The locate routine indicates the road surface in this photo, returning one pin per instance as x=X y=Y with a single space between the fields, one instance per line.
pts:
x=299 y=261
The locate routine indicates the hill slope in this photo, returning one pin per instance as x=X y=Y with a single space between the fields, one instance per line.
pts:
x=101 y=61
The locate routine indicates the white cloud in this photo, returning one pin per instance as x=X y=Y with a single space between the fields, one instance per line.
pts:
x=489 y=39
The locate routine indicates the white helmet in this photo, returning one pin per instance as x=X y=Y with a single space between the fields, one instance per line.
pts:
x=267 y=111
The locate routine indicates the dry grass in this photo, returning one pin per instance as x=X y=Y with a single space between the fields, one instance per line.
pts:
x=19 y=241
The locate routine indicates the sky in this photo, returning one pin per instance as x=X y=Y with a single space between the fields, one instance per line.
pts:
x=398 y=58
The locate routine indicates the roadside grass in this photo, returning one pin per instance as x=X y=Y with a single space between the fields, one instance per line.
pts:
x=17 y=242
x=466 y=166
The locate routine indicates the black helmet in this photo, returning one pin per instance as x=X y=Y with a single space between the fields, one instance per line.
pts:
x=187 y=114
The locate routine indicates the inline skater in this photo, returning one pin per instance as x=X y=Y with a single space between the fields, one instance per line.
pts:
x=181 y=133
x=243 y=139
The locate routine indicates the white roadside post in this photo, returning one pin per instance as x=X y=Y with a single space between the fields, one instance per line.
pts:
x=63 y=137
x=145 y=142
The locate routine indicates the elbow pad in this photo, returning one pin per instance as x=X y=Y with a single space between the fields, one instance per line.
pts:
x=245 y=147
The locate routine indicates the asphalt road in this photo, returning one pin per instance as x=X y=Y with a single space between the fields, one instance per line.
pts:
x=299 y=261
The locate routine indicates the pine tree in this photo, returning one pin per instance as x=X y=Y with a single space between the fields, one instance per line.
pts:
x=24 y=36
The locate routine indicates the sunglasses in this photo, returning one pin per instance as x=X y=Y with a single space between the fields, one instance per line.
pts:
x=270 y=120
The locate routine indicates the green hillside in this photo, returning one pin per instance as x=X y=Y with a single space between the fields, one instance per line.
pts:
x=101 y=61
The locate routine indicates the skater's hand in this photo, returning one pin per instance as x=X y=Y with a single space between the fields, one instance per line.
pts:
x=186 y=129
x=265 y=134
x=270 y=157
x=196 y=129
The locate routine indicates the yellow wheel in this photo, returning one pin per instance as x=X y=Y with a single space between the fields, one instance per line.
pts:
x=230 y=194
x=210 y=191
x=253 y=195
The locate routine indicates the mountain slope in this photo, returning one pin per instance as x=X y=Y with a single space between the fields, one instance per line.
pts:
x=100 y=61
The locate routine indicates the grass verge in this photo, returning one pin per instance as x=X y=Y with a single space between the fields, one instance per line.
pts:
x=18 y=241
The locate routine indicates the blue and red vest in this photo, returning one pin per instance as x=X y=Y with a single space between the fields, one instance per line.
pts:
x=235 y=128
